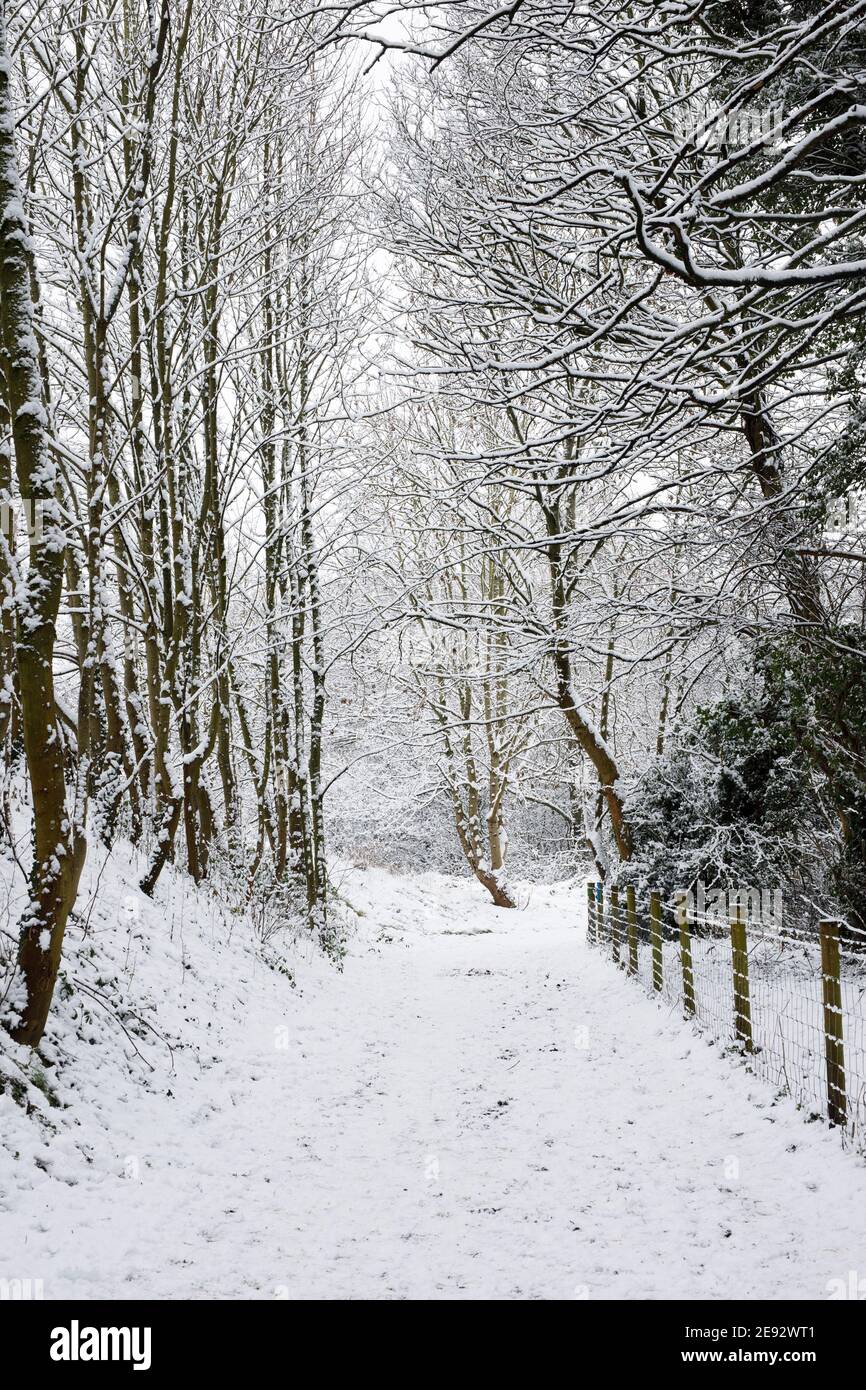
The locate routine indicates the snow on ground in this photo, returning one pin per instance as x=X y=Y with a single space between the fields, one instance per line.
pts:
x=477 y=1106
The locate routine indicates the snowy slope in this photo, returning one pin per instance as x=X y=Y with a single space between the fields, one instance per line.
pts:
x=477 y=1105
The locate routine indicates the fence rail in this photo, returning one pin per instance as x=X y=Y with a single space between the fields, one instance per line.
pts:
x=792 y=1001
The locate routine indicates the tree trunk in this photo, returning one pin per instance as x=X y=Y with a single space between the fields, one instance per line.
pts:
x=58 y=848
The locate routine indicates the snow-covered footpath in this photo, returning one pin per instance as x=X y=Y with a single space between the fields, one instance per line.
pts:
x=477 y=1106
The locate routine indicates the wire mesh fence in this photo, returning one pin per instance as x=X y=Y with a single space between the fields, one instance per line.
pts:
x=790 y=999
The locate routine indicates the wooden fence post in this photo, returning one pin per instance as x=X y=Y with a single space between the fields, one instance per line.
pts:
x=656 y=936
x=632 y=929
x=740 y=964
x=686 y=954
x=831 y=972
x=599 y=910
x=590 y=913
x=614 y=922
